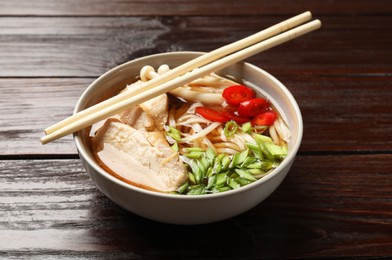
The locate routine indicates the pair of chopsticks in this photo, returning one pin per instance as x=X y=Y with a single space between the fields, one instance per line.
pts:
x=185 y=73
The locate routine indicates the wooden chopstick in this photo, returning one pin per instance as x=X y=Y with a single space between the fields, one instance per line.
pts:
x=186 y=67
x=181 y=80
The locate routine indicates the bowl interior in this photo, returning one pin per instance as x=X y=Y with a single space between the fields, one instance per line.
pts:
x=116 y=79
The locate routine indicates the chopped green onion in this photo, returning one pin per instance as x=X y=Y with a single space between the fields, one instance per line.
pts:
x=196 y=190
x=230 y=128
x=183 y=187
x=198 y=173
x=191 y=177
x=194 y=155
x=261 y=139
x=256 y=171
x=225 y=162
x=238 y=158
x=210 y=172
x=211 y=154
x=242 y=181
x=204 y=161
x=174 y=147
x=222 y=189
x=221 y=179
x=266 y=152
x=234 y=160
x=248 y=161
x=256 y=165
x=242 y=156
x=276 y=151
x=246 y=175
x=275 y=164
x=201 y=166
x=219 y=158
x=233 y=175
x=193 y=165
x=233 y=184
x=174 y=133
x=217 y=167
x=255 y=150
x=247 y=127
x=268 y=165
x=211 y=182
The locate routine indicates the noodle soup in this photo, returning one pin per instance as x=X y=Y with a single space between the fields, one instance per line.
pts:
x=209 y=136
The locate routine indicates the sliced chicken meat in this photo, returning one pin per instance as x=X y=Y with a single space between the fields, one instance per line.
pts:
x=142 y=158
x=151 y=115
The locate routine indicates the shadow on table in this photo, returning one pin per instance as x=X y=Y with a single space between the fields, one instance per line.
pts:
x=265 y=231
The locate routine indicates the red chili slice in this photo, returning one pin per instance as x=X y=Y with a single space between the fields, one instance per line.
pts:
x=264 y=119
x=220 y=108
x=212 y=115
x=238 y=119
x=236 y=94
x=253 y=107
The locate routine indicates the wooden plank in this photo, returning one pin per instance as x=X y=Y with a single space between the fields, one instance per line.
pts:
x=189 y=7
x=89 y=46
x=30 y=105
x=72 y=46
x=340 y=113
x=327 y=206
x=343 y=113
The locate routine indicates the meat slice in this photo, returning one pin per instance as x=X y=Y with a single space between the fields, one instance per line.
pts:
x=157 y=108
x=141 y=158
x=150 y=115
x=137 y=118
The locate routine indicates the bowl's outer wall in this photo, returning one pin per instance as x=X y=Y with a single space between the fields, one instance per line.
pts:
x=185 y=212
x=178 y=209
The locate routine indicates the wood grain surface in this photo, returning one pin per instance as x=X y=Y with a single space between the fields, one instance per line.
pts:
x=321 y=208
x=189 y=7
x=89 y=46
x=336 y=202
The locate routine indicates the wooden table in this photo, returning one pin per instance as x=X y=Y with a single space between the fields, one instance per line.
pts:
x=336 y=200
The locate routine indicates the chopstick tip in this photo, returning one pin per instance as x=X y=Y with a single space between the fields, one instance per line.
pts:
x=318 y=23
x=42 y=141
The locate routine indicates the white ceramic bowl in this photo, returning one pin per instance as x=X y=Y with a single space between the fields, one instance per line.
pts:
x=181 y=209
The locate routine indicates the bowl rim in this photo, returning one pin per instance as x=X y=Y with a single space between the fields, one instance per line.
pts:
x=92 y=163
